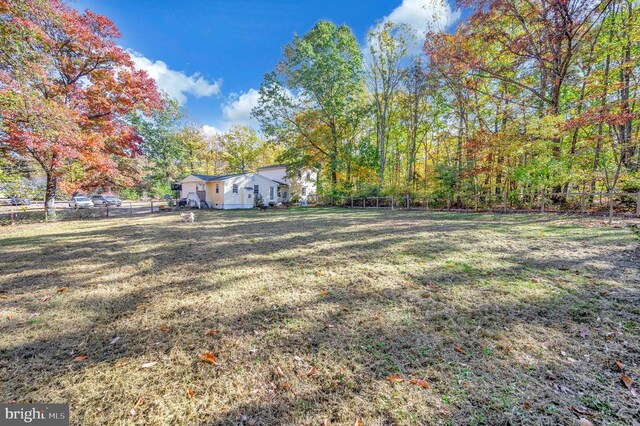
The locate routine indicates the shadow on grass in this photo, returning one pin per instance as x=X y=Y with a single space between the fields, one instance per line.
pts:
x=484 y=335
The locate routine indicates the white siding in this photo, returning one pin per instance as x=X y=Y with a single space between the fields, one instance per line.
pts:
x=279 y=174
x=226 y=198
x=189 y=184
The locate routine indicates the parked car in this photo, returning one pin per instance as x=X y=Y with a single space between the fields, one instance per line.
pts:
x=18 y=201
x=106 y=200
x=80 y=202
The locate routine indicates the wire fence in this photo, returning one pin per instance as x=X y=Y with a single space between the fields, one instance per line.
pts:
x=623 y=203
x=35 y=211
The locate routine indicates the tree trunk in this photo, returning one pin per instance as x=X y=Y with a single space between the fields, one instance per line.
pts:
x=610 y=207
x=50 y=197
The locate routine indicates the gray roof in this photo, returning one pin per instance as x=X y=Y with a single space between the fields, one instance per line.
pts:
x=279 y=182
x=273 y=166
x=211 y=178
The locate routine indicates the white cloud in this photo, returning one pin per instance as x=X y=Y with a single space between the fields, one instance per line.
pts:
x=176 y=83
x=210 y=130
x=237 y=109
x=422 y=16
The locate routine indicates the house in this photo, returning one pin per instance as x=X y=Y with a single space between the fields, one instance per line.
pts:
x=235 y=191
x=301 y=183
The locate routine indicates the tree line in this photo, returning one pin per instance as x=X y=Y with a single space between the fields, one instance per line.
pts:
x=523 y=97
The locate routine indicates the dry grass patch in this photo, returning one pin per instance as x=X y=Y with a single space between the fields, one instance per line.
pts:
x=508 y=319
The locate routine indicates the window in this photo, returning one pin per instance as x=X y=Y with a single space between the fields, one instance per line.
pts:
x=271 y=192
x=235 y=188
x=217 y=188
x=304 y=191
x=308 y=175
x=256 y=189
x=279 y=193
x=285 y=195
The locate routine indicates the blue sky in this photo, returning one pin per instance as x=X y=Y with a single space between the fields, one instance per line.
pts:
x=211 y=55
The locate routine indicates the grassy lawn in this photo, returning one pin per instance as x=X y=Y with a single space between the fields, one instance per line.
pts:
x=510 y=319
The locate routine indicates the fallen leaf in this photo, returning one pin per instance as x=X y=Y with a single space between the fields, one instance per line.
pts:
x=421 y=383
x=62 y=289
x=114 y=340
x=526 y=405
x=208 y=357
x=164 y=328
x=279 y=371
x=4 y=297
x=584 y=422
x=212 y=332
x=46 y=298
x=139 y=402
x=627 y=381
x=581 y=411
x=140 y=306
x=359 y=422
x=584 y=331
x=324 y=293
x=620 y=365
x=394 y=378
x=459 y=350
x=190 y=393
x=148 y=364
x=312 y=372
x=80 y=358
x=426 y=295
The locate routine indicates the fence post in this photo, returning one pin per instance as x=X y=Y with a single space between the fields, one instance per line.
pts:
x=378 y=201
x=583 y=198
x=391 y=202
x=151 y=206
x=506 y=200
x=638 y=205
x=107 y=210
x=408 y=208
x=426 y=201
x=352 y=201
x=542 y=207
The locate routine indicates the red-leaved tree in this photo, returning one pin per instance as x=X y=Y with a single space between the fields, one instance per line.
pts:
x=65 y=88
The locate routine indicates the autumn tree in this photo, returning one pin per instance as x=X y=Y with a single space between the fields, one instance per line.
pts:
x=65 y=87
x=387 y=49
x=315 y=95
x=241 y=149
x=164 y=151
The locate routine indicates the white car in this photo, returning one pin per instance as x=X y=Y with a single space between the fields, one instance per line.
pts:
x=80 y=203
